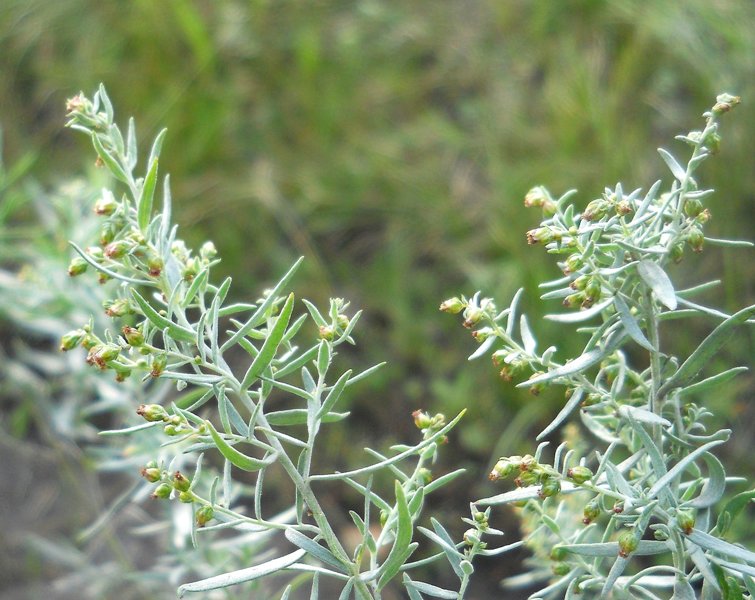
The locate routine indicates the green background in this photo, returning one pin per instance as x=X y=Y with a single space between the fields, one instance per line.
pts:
x=391 y=143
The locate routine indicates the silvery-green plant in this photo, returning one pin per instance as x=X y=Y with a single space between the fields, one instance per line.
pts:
x=640 y=512
x=58 y=397
x=176 y=325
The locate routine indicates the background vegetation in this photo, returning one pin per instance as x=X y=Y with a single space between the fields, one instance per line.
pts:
x=391 y=143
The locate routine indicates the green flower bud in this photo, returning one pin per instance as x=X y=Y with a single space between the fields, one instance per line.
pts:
x=425 y=475
x=326 y=332
x=154 y=265
x=572 y=264
x=133 y=336
x=121 y=373
x=158 y=363
x=724 y=103
x=628 y=543
x=204 y=515
x=579 y=474
x=471 y=537
x=693 y=207
x=550 y=487
x=151 y=474
x=526 y=478
x=107 y=233
x=116 y=250
x=536 y=197
x=105 y=206
x=383 y=517
x=502 y=469
x=343 y=321
x=208 y=251
x=623 y=208
x=596 y=210
x=453 y=306
x=191 y=269
x=117 y=308
x=481 y=518
x=101 y=354
x=695 y=239
x=422 y=420
x=543 y=235
x=72 y=339
x=703 y=217
x=152 y=412
x=591 y=511
x=162 y=491
x=95 y=252
x=186 y=497
x=676 y=252
x=558 y=553
x=686 y=521
x=181 y=482
x=574 y=300
x=561 y=569
x=660 y=535
x=77 y=266
x=472 y=316
x=482 y=334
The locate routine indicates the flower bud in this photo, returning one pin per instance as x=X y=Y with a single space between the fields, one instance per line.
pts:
x=105 y=206
x=133 y=336
x=101 y=354
x=502 y=469
x=121 y=373
x=191 y=269
x=151 y=474
x=536 y=197
x=115 y=250
x=452 y=305
x=152 y=412
x=561 y=569
x=425 y=475
x=686 y=521
x=558 y=553
x=154 y=265
x=591 y=511
x=676 y=252
x=573 y=263
x=422 y=420
x=204 y=515
x=208 y=251
x=724 y=103
x=342 y=321
x=117 y=308
x=77 y=266
x=482 y=334
x=596 y=210
x=158 y=363
x=695 y=239
x=471 y=537
x=107 y=233
x=579 y=474
x=693 y=207
x=181 y=482
x=543 y=235
x=525 y=479
x=623 y=208
x=72 y=339
x=186 y=497
x=326 y=332
x=703 y=217
x=472 y=316
x=162 y=491
x=574 y=300
x=628 y=543
x=550 y=487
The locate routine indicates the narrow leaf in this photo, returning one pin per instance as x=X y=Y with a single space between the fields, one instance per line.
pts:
x=432 y=590
x=403 y=537
x=242 y=575
x=714 y=544
x=631 y=324
x=174 y=330
x=242 y=461
x=657 y=280
x=676 y=169
x=270 y=346
x=711 y=382
x=314 y=549
x=705 y=351
x=146 y=197
x=334 y=394
x=112 y=165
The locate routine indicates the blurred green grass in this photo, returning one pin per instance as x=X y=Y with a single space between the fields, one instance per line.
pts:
x=391 y=143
